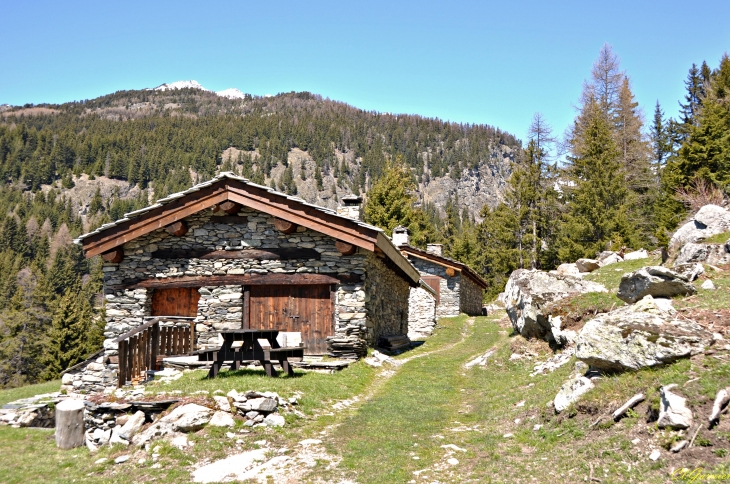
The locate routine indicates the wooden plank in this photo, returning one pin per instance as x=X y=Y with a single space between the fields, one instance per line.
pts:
x=250 y=254
x=122 y=367
x=434 y=282
x=231 y=208
x=155 y=345
x=246 y=308
x=175 y=301
x=235 y=279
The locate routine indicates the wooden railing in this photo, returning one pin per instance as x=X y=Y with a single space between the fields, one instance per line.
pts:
x=140 y=348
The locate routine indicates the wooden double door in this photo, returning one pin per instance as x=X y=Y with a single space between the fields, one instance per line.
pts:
x=308 y=309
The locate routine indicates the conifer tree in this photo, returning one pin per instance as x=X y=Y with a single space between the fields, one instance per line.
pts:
x=66 y=338
x=597 y=200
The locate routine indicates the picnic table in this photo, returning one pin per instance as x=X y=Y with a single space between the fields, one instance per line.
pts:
x=250 y=345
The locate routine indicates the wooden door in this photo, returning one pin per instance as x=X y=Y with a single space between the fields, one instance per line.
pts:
x=434 y=282
x=175 y=301
x=306 y=309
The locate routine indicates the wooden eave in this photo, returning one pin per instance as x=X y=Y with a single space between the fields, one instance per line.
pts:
x=259 y=199
x=443 y=261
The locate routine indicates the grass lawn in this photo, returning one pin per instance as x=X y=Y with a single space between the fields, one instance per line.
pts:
x=12 y=394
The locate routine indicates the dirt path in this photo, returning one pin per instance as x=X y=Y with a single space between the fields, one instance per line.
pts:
x=297 y=466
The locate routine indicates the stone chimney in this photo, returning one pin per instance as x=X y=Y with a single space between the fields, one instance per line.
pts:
x=401 y=236
x=351 y=207
x=435 y=249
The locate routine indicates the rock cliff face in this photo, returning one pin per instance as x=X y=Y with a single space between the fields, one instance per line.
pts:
x=475 y=188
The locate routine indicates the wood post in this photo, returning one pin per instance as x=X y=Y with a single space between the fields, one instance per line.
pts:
x=177 y=229
x=115 y=256
x=285 y=226
x=70 y=424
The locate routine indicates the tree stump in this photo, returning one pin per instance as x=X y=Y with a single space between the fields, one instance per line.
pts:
x=70 y=424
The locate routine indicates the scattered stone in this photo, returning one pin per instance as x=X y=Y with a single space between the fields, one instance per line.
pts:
x=222 y=419
x=116 y=438
x=659 y=306
x=627 y=340
x=656 y=281
x=528 y=291
x=636 y=255
x=708 y=285
x=690 y=270
x=536 y=427
x=673 y=412
x=188 y=418
x=714 y=254
x=274 y=420
x=133 y=425
x=520 y=404
x=121 y=459
x=306 y=442
x=721 y=399
x=480 y=360
x=508 y=436
x=180 y=441
x=230 y=468
x=679 y=446
x=570 y=270
x=609 y=257
x=264 y=404
x=223 y=403
x=100 y=461
x=571 y=391
x=453 y=461
x=453 y=447
x=555 y=362
x=708 y=221
x=587 y=265
x=655 y=454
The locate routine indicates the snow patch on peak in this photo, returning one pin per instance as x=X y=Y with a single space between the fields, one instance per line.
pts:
x=231 y=93
x=180 y=85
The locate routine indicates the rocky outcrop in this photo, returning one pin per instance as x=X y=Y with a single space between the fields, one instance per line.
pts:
x=631 y=338
x=636 y=255
x=714 y=254
x=608 y=257
x=654 y=281
x=528 y=291
x=690 y=271
x=708 y=221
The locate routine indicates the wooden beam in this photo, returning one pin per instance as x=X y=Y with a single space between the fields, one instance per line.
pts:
x=178 y=229
x=250 y=254
x=115 y=256
x=306 y=216
x=153 y=220
x=284 y=226
x=344 y=248
x=237 y=279
x=450 y=271
x=231 y=208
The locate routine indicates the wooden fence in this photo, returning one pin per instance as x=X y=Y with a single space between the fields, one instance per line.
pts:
x=140 y=348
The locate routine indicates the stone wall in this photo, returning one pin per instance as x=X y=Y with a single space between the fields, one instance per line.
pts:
x=421 y=313
x=471 y=296
x=450 y=287
x=387 y=301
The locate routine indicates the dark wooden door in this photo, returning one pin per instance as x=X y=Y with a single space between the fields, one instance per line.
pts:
x=306 y=309
x=434 y=282
x=175 y=301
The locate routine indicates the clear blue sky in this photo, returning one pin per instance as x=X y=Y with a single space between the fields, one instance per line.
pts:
x=474 y=62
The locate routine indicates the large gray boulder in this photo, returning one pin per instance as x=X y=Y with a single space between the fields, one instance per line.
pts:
x=630 y=338
x=528 y=292
x=656 y=281
x=587 y=265
x=715 y=254
x=708 y=221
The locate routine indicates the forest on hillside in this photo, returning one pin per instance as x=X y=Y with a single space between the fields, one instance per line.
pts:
x=615 y=180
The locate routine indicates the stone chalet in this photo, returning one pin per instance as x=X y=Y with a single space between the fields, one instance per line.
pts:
x=230 y=254
x=453 y=287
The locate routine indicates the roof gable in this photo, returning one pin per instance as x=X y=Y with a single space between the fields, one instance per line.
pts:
x=229 y=187
x=444 y=262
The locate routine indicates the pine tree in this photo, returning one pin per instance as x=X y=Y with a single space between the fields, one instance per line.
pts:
x=66 y=337
x=596 y=197
x=660 y=141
